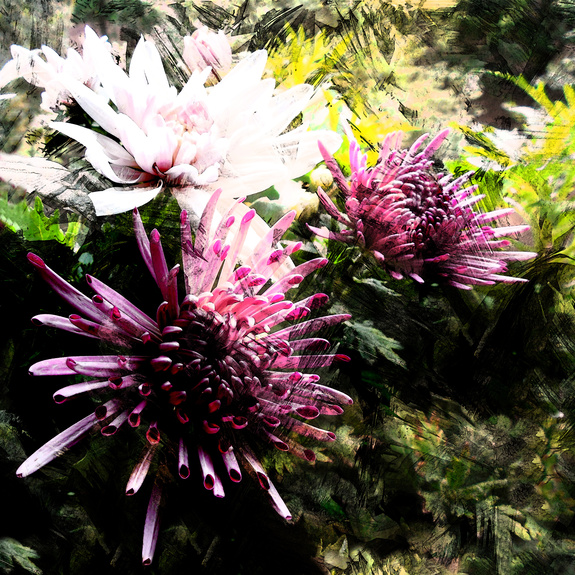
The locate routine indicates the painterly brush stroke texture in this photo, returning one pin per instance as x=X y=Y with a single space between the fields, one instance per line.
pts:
x=458 y=454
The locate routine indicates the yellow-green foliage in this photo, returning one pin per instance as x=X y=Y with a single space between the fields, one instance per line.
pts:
x=35 y=225
x=333 y=64
x=558 y=138
x=536 y=177
x=305 y=61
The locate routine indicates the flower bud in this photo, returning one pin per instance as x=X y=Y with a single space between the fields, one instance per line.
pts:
x=206 y=48
x=321 y=178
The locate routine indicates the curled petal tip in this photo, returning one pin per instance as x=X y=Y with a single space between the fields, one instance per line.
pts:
x=318 y=300
x=35 y=260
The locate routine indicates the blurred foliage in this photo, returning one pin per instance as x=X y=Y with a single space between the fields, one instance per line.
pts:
x=538 y=178
x=129 y=13
x=520 y=36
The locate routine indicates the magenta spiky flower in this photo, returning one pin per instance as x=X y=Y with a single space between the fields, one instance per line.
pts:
x=215 y=374
x=416 y=222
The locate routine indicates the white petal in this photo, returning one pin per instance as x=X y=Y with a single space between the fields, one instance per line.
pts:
x=194 y=89
x=119 y=200
x=95 y=105
x=240 y=110
x=101 y=151
x=112 y=77
x=305 y=152
x=248 y=71
x=241 y=92
x=54 y=59
x=189 y=174
x=146 y=66
x=283 y=108
x=28 y=65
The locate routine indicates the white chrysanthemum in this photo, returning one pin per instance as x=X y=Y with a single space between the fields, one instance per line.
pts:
x=233 y=135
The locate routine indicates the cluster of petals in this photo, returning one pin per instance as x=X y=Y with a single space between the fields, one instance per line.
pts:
x=416 y=222
x=214 y=374
x=44 y=68
x=233 y=135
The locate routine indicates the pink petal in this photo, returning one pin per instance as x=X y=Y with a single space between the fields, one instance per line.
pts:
x=61 y=443
x=71 y=391
x=140 y=470
x=59 y=322
x=67 y=292
x=183 y=466
x=152 y=526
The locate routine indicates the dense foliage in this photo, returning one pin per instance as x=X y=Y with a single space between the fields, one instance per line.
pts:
x=458 y=454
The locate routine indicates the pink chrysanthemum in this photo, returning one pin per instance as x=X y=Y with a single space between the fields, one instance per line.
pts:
x=212 y=372
x=418 y=223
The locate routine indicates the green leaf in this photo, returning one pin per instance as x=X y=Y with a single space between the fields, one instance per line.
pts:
x=372 y=344
x=35 y=224
x=13 y=553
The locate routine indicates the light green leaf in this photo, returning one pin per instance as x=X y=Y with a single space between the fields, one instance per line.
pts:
x=35 y=225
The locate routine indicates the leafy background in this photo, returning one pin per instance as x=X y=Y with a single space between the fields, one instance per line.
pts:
x=458 y=455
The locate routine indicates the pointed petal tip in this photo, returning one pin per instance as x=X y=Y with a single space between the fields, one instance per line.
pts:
x=322 y=148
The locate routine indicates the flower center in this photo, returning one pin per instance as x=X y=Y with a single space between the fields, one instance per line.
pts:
x=209 y=372
x=192 y=118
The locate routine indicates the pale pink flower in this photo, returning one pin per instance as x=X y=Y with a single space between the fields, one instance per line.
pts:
x=44 y=68
x=233 y=135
